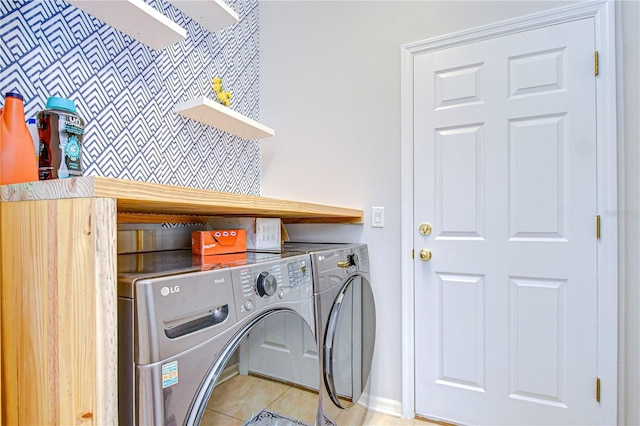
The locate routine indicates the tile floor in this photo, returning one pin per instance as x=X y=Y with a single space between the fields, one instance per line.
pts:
x=240 y=398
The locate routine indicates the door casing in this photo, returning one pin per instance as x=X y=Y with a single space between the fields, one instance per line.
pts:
x=603 y=12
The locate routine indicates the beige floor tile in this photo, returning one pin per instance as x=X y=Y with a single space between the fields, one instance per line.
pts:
x=241 y=397
x=297 y=404
x=358 y=415
x=211 y=418
x=244 y=396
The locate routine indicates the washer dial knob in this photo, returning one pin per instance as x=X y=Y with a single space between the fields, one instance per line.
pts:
x=266 y=284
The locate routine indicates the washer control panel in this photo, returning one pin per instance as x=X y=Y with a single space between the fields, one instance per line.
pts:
x=277 y=281
x=299 y=273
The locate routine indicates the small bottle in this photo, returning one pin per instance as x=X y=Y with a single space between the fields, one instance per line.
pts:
x=32 y=124
x=16 y=145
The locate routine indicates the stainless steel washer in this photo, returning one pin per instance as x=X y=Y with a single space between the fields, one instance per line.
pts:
x=181 y=319
x=345 y=323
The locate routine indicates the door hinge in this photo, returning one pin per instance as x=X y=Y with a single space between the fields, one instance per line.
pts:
x=412 y=253
x=597 y=63
x=598 y=226
x=598 y=389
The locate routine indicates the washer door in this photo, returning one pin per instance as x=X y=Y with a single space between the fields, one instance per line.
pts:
x=238 y=389
x=349 y=342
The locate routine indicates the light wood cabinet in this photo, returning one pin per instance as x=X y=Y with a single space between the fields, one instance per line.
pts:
x=58 y=284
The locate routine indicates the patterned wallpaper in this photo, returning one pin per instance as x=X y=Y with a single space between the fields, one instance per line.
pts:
x=126 y=91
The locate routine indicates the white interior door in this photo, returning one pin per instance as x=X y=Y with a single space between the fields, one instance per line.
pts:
x=505 y=172
x=282 y=347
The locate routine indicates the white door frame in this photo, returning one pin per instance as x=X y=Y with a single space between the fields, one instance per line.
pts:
x=603 y=12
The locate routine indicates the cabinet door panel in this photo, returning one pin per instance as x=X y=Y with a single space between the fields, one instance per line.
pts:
x=58 y=311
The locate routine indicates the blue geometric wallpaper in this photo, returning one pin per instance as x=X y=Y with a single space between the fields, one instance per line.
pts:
x=126 y=91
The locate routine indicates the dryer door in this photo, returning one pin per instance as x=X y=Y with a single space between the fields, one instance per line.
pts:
x=349 y=342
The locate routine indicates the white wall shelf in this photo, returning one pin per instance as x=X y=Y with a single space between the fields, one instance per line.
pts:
x=211 y=14
x=209 y=112
x=136 y=19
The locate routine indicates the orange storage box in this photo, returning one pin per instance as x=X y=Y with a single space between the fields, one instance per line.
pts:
x=219 y=241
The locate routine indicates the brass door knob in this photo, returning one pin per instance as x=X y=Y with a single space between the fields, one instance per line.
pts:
x=425 y=228
x=425 y=255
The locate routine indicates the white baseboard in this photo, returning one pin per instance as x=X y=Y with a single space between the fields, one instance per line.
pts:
x=381 y=405
x=229 y=372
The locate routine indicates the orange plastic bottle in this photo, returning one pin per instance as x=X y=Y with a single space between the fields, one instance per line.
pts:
x=16 y=146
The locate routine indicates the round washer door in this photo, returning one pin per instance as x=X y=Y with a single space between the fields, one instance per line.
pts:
x=349 y=342
x=254 y=378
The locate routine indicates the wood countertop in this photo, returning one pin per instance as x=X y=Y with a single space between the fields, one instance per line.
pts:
x=58 y=257
x=159 y=203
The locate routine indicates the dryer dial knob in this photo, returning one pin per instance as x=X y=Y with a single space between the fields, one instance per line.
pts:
x=266 y=284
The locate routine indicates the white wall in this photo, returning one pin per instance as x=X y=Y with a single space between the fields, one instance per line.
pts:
x=330 y=86
x=629 y=138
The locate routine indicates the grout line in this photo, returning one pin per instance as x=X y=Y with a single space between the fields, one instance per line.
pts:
x=224 y=414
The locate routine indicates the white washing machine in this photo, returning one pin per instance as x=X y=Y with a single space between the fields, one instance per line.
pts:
x=345 y=323
x=181 y=320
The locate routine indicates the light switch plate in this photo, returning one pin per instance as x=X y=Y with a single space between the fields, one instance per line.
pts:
x=377 y=217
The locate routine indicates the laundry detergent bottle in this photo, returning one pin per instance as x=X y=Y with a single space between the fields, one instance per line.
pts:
x=17 y=152
x=60 y=131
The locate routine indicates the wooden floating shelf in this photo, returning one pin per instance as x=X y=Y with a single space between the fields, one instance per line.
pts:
x=161 y=202
x=209 y=112
x=136 y=19
x=211 y=14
